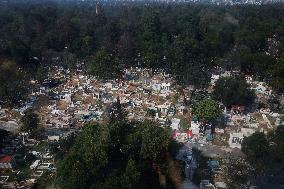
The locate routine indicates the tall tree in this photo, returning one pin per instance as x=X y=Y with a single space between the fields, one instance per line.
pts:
x=116 y=113
x=233 y=91
x=256 y=147
x=104 y=65
x=13 y=85
x=30 y=121
x=115 y=156
x=207 y=110
x=277 y=76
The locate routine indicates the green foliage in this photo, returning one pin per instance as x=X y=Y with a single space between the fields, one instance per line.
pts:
x=3 y=135
x=265 y=151
x=185 y=40
x=62 y=147
x=154 y=141
x=265 y=154
x=238 y=172
x=29 y=121
x=189 y=67
x=256 y=64
x=185 y=124
x=131 y=175
x=207 y=110
x=104 y=65
x=113 y=156
x=13 y=88
x=276 y=154
x=256 y=147
x=277 y=75
x=116 y=113
x=233 y=91
x=151 y=112
x=87 y=158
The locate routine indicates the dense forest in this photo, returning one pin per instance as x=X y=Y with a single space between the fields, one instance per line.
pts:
x=188 y=41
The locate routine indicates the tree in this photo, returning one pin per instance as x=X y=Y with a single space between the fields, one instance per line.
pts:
x=151 y=113
x=104 y=65
x=185 y=124
x=151 y=39
x=238 y=172
x=131 y=175
x=233 y=91
x=13 y=85
x=256 y=64
x=29 y=121
x=265 y=154
x=207 y=110
x=276 y=154
x=154 y=141
x=256 y=147
x=63 y=146
x=277 y=76
x=3 y=135
x=114 y=156
x=125 y=49
x=87 y=159
x=189 y=67
x=116 y=112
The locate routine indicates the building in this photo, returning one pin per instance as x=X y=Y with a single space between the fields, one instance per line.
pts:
x=7 y=162
x=235 y=140
x=205 y=184
x=214 y=166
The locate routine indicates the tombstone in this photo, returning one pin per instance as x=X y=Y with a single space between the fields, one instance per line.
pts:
x=235 y=140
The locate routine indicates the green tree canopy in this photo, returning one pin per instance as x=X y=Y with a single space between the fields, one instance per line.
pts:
x=256 y=64
x=86 y=160
x=277 y=76
x=13 y=85
x=104 y=65
x=185 y=124
x=3 y=135
x=154 y=141
x=233 y=91
x=265 y=152
x=29 y=121
x=30 y=124
x=256 y=147
x=207 y=110
x=276 y=154
x=114 y=156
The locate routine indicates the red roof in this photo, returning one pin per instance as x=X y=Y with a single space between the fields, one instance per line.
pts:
x=236 y=107
x=6 y=159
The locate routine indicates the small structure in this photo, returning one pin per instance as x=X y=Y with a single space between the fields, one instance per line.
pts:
x=235 y=140
x=35 y=164
x=214 y=166
x=205 y=184
x=53 y=138
x=220 y=185
x=175 y=124
x=237 y=109
x=4 y=179
x=7 y=162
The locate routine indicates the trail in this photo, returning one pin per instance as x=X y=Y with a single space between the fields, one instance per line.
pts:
x=185 y=154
